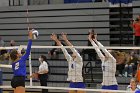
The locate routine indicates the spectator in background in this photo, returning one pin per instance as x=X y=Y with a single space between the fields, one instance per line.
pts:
x=12 y=43
x=2 y=43
x=91 y=52
x=120 y=58
x=136 y=26
x=138 y=74
x=132 y=86
x=135 y=59
x=2 y=51
x=128 y=70
x=53 y=53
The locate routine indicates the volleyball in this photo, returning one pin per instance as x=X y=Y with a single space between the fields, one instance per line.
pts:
x=35 y=33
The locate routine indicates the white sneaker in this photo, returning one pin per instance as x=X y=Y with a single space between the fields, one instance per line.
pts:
x=129 y=75
x=120 y=75
x=124 y=75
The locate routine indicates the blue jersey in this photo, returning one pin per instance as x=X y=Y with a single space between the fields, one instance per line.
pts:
x=19 y=67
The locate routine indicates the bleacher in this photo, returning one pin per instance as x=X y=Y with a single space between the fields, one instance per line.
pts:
x=74 y=19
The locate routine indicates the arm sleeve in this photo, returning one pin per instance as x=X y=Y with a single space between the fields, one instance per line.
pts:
x=101 y=56
x=78 y=57
x=107 y=54
x=66 y=54
x=28 y=50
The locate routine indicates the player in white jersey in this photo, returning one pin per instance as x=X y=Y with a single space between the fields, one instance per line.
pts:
x=75 y=65
x=108 y=64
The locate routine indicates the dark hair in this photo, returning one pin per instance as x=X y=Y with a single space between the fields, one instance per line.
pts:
x=43 y=57
x=137 y=19
x=92 y=31
x=13 y=54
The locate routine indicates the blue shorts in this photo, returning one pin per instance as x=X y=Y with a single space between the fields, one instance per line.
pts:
x=112 y=87
x=77 y=85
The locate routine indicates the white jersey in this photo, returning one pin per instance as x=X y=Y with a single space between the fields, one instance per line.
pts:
x=74 y=66
x=108 y=65
x=43 y=67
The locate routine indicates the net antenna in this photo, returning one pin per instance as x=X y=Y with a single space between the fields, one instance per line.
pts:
x=29 y=28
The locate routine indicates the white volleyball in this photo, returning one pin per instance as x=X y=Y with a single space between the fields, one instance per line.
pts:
x=35 y=33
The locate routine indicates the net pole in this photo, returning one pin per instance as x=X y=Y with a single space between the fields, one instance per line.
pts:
x=30 y=69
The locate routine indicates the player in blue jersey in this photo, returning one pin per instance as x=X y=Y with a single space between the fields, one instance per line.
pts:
x=19 y=67
x=138 y=91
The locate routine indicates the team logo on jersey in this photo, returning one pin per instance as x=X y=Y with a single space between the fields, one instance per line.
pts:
x=103 y=68
x=72 y=66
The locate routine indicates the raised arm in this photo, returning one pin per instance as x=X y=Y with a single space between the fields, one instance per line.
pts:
x=107 y=54
x=101 y=56
x=66 y=54
x=28 y=50
x=78 y=57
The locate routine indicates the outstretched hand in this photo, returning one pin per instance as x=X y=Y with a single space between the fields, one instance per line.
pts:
x=54 y=37
x=95 y=36
x=30 y=35
x=92 y=36
x=64 y=36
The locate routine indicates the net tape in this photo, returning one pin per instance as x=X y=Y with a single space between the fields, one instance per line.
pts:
x=65 y=88
x=80 y=47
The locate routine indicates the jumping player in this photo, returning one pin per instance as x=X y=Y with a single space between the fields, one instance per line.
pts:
x=108 y=64
x=19 y=67
x=75 y=64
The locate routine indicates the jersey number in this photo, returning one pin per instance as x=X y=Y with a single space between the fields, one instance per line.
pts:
x=103 y=68
x=16 y=65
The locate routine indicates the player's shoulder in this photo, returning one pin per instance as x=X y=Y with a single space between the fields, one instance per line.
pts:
x=137 y=91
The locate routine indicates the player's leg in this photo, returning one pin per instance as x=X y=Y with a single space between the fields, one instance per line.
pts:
x=72 y=91
x=79 y=91
x=72 y=85
x=20 y=89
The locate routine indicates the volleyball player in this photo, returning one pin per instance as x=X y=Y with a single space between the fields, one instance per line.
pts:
x=108 y=64
x=19 y=67
x=133 y=85
x=138 y=91
x=75 y=64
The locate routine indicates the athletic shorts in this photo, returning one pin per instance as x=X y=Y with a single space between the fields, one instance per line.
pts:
x=112 y=87
x=77 y=85
x=18 y=81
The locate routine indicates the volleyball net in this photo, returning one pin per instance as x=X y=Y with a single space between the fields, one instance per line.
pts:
x=58 y=66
